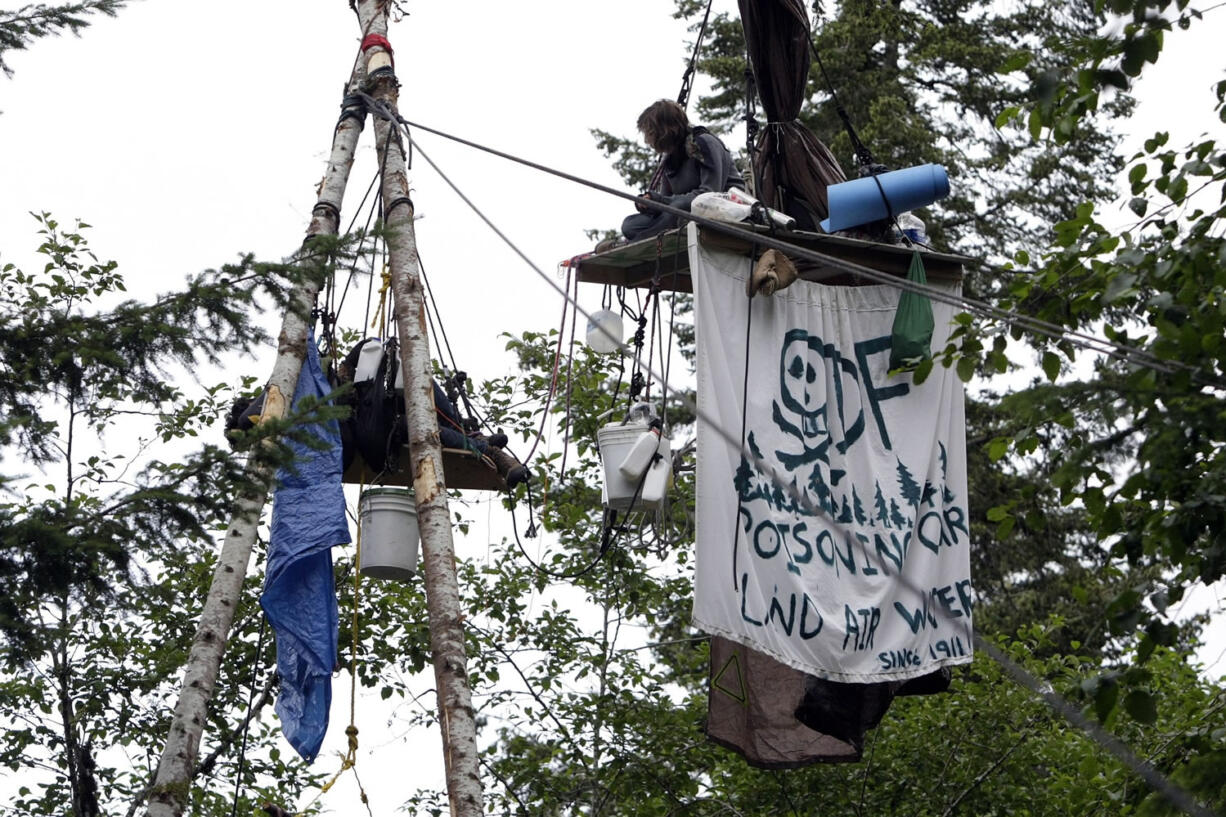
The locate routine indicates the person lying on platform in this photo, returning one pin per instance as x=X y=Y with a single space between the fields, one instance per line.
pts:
x=454 y=433
x=376 y=425
x=694 y=161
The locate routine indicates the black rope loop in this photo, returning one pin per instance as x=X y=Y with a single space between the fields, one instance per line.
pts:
x=752 y=127
x=394 y=203
x=353 y=106
x=637 y=381
x=323 y=208
x=641 y=332
x=328 y=208
x=385 y=72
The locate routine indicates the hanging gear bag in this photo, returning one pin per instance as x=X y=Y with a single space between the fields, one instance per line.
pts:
x=911 y=338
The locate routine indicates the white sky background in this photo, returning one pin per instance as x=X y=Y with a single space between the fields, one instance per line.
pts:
x=189 y=132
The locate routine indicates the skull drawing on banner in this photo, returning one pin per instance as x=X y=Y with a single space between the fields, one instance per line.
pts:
x=802 y=385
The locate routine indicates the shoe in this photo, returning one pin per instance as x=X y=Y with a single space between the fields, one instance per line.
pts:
x=510 y=469
x=496 y=440
x=515 y=476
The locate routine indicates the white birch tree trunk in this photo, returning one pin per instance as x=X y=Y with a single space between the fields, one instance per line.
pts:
x=456 y=717
x=168 y=796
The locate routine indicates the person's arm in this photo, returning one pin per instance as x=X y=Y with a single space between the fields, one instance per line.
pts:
x=712 y=171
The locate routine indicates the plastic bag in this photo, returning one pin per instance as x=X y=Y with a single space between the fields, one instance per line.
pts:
x=911 y=336
x=735 y=206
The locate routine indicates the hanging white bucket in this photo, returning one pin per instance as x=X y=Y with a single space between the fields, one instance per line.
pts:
x=615 y=441
x=389 y=533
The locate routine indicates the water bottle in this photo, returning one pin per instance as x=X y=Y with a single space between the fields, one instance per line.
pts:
x=655 y=483
x=641 y=454
x=913 y=228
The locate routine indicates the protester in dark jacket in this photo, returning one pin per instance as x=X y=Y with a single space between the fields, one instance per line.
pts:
x=694 y=161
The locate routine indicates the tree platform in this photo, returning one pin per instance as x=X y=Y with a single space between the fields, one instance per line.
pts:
x=635 y=265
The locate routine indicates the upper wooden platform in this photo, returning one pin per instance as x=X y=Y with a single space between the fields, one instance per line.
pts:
x=635 y=264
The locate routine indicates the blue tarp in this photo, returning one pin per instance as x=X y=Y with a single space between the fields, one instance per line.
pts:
x=308 y=518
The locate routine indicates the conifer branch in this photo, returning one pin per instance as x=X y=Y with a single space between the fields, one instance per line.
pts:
x=20 y=28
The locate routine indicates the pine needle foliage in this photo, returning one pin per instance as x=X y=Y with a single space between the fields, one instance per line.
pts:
x=21 y=27
x=112 y=498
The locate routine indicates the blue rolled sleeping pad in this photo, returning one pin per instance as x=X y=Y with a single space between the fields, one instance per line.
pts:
x=860 y=201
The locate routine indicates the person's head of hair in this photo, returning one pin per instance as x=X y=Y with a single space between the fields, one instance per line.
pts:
x=664 y=125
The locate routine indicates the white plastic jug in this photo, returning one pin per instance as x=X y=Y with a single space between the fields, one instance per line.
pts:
x=616 y=441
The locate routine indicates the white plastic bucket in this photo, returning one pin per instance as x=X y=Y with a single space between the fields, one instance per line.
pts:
x=615 y=441
x=389 y=533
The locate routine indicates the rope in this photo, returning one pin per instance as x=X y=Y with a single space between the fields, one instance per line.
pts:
x=736 y=534
x=242 y=749
x=433 y=306
x=609 y=531
x=348 y=762
x=864 y=157
x=570 y=361
x=553 y=378
x=381 y=309
x=687 y=79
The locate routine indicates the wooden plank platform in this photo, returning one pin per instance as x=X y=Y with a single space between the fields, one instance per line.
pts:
x=634 y=265
x=462 y=470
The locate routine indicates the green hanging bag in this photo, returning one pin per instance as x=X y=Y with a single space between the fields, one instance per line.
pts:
x=911 y=337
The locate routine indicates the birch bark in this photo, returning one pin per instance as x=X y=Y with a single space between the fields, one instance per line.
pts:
x=456 y=716
x=168 y=795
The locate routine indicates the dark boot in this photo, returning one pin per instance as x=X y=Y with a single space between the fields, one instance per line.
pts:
x=495 y=440
x=509 y=468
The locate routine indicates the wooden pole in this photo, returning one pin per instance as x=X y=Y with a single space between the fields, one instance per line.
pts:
x=456 y=717
x=168 y=796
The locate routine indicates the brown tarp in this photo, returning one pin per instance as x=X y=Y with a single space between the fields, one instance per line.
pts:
x=792 y=168
x=751 y=709
x=777 y=717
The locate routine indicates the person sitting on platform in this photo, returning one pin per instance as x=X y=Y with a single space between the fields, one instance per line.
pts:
x=694 y=161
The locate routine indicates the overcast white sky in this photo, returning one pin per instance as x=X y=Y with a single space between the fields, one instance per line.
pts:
x=189 y=132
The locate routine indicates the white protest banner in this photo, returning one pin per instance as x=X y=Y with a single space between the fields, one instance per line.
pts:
x=852 y=563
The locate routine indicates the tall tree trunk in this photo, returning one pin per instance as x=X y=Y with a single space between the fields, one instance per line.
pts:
x=169 y=793
x=78 y=756
x=456 y=717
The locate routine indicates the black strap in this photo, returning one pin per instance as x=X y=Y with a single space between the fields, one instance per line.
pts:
x=864 y=157
x=687 y=79
x=353 y=106
x=396 y=202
